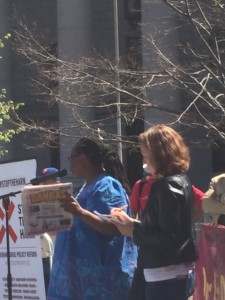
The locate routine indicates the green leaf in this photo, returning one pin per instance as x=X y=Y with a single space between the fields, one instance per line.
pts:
x=8 y=36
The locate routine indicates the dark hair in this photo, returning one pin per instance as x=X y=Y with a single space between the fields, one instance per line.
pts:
x=101 y=155
x=169 y=153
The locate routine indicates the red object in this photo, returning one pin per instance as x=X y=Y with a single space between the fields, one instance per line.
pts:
x=138 y=202
x=198 y=196
x=210 y=268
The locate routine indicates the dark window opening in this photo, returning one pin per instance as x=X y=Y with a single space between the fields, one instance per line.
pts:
x=218 y=157
x=134 y=157
x=133 y=12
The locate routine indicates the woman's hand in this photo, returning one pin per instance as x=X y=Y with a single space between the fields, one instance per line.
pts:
x=118 y=209
x=126 y=224
x=71 y=205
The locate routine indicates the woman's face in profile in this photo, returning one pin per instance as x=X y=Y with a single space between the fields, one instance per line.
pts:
x=78 y=164
x=147 y=158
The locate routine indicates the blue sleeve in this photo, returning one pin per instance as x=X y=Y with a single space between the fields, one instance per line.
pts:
x=108 y=194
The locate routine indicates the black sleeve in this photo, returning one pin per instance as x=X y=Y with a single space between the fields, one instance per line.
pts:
x=166 y=232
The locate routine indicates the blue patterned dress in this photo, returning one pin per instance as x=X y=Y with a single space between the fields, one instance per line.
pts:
x=88 y=265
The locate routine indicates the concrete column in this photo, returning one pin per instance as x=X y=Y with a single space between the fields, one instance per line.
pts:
x=159 y=24
x=157 y=20
x=74 y=28
x=74 y=41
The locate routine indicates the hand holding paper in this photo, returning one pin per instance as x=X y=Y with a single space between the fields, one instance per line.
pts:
x=124 y=223
x=71 y=205
x=118 y=209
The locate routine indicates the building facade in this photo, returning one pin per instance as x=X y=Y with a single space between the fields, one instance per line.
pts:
x=76 y=28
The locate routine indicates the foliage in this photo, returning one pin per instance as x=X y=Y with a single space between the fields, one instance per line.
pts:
x=6 y=37
x=8 y=115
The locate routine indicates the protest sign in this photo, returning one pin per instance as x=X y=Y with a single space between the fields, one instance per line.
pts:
x=25 y=254
x=210 y=268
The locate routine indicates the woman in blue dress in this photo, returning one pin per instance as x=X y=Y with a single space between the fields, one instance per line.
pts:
x=92 y=261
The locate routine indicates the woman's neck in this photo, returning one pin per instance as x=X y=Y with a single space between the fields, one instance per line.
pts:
x=92 y=174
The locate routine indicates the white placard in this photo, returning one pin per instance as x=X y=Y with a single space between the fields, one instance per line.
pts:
x=25 y=253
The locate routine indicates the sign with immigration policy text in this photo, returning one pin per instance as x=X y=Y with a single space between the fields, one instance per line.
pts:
x=25 y=253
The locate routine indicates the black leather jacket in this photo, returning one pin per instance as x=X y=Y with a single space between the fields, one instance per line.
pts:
x=166 y=234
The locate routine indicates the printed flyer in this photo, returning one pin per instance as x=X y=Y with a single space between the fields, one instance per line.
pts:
x=42 y=211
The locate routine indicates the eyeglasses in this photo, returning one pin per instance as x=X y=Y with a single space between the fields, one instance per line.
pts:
x=70 y=158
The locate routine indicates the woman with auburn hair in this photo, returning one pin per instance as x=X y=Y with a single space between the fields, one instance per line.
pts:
x=171 y=155
x=165 y=234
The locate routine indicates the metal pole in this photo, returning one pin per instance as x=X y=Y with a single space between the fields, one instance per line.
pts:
x=117 y=57
x=6 y=202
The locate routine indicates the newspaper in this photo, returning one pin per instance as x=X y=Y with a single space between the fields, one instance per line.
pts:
x=107 y=218
x=42 y=211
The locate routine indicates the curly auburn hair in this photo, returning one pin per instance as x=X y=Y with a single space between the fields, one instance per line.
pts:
x=167 y=149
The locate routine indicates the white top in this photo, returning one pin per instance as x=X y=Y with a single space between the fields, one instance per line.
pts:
x=47 y=247
x=169 y=272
